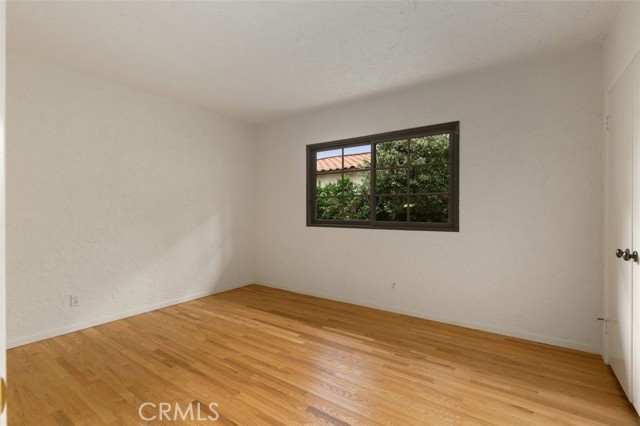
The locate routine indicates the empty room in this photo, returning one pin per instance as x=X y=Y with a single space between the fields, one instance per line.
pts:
x=301 y=213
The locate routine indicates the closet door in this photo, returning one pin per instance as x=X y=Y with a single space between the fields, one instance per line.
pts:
x=635 y=71
x=618 y=230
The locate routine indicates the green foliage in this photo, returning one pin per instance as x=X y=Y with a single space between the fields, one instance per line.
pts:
x=404 y=167
x=429 y=150
x=344 y=199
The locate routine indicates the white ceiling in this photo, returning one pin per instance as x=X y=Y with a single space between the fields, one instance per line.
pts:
x=260 y=61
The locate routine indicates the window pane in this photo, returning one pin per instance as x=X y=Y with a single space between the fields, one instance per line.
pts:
x=391 y=209
x=329 y=185
x=429 y=208
x=357 y=182
x=393 y=153
x=391 y=181
x=329 y=160
x=357 y=208
x=433 y=178
x=329 y=208
x=357 y=157
x=430 y=149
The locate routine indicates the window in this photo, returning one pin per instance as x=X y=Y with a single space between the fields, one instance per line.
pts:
x=400 y=180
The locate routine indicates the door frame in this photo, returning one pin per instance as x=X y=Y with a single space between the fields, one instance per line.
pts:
x=635 y=227
x=618 y=230
x=3 y=299
x=634 y=69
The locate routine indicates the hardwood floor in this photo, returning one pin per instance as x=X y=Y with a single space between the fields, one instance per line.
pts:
x=270 y=357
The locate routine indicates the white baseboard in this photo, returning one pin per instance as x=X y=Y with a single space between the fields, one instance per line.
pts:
x=20 y=341
x=148 y=308
x=476 y=326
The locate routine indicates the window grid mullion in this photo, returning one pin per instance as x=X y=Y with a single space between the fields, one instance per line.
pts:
x=415 y=194
x=405 y=166
x=449 y=169
x=373 y=183
x=408 y=179
x=342 y=203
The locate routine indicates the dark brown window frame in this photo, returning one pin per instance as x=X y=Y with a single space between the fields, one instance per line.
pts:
x=452 y=128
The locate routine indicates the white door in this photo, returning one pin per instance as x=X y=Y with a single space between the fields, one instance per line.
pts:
x=635 y=71
x=618 y=230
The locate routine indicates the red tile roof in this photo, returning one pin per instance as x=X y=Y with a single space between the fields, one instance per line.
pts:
x=351 y=161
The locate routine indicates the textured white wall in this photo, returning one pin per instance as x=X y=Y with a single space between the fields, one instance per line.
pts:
x=527 y=260
x=622 y=43
x=133 y=202
x=129 y=200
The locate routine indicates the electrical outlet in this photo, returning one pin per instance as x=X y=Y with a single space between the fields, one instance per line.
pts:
x=74 y=301
x=394 y=287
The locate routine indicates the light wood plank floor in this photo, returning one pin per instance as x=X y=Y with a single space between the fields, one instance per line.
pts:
x=270 y=357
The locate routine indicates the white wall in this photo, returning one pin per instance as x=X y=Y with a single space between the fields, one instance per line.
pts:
x=527 y=260
x=622 y=43
x=129 y=200
x=134 y=202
